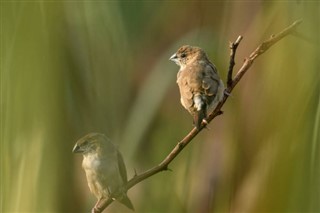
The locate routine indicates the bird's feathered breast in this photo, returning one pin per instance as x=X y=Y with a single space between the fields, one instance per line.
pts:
x=103 y=173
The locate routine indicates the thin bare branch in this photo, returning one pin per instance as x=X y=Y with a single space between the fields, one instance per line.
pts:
x=263 y=47
x=233 y=47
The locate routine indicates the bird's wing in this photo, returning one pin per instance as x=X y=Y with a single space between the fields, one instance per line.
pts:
x=186 y=90
x=122 y=167
x=210 y=82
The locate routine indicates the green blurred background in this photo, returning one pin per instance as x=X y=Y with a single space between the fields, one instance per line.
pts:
x=73 y=67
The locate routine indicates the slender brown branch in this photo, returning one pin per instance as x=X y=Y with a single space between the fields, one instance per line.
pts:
x=260 y=50
x=264 y=46
x=233 y=47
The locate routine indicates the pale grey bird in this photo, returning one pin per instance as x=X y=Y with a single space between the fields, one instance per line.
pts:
x=104 y=167
x=201 y=88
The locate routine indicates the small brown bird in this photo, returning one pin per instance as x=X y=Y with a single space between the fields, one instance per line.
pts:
x=200 y=86
x=104 y=167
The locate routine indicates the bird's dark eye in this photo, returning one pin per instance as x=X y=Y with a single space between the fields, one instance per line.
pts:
x=183 y=55
x=85 y=143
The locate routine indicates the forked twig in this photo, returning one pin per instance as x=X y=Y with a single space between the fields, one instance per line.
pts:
x=233 y=47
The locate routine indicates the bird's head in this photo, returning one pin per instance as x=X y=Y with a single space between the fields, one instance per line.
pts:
x=92 y=142
x=187 y=54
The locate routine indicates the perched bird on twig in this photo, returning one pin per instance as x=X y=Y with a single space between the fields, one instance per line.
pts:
x=104 y=167
x=200 y=86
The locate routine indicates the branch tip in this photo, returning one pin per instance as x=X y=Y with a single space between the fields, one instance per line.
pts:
x=233 y=47
x=240 y=37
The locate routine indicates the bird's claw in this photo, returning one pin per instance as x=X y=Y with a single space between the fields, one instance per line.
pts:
x=226 y=93
x=205 y=124
x=95 y=209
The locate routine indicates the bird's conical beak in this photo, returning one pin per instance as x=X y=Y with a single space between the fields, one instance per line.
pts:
x=173 y=57
x=77 y=149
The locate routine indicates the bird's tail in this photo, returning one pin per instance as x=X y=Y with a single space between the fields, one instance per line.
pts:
x=126 y=201
x=201 y=111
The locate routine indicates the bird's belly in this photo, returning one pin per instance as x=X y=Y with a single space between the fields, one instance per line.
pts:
x=95 y=186
x=91 y=166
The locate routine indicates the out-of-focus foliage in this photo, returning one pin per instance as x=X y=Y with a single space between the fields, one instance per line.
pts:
x=69 y=68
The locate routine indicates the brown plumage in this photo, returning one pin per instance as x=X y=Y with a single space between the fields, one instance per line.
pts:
x=200 y=86
x=104 y=167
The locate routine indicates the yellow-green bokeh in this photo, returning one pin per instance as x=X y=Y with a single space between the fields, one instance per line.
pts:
x=73 y=67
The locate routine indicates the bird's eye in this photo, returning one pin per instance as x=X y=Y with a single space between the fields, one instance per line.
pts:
x=85 y=143
x=183 y=55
